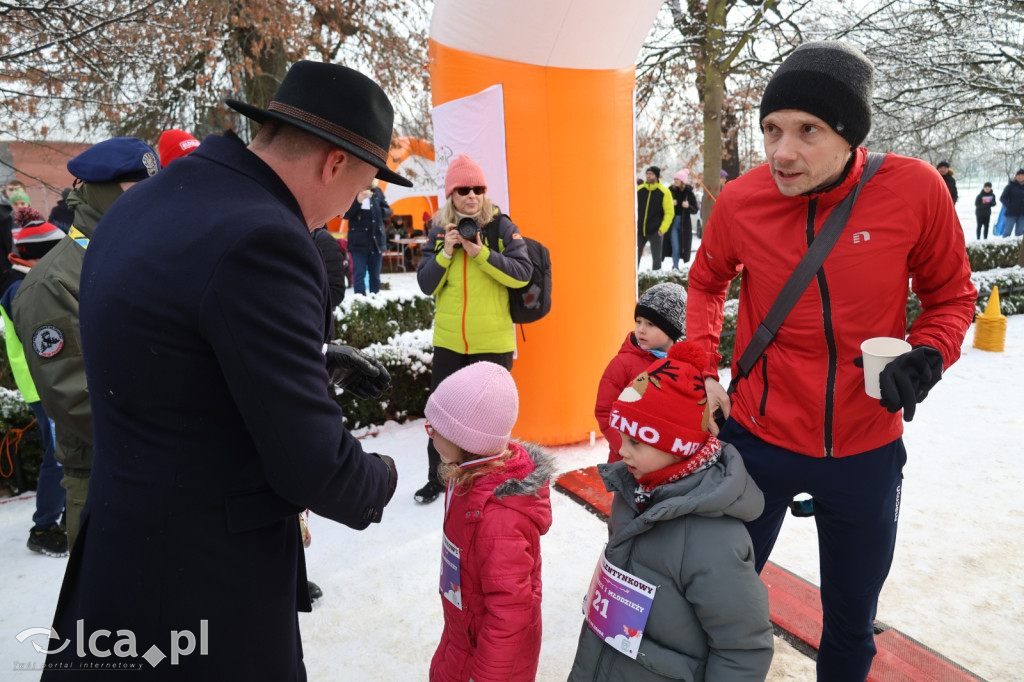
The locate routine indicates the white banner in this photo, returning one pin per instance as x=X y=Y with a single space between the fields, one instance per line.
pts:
x=475 y=126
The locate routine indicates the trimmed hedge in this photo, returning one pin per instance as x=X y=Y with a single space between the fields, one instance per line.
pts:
x=398 y=333
x=407 y=357
x=990 y=254
x=363 y=320
x=1010 y=281
x=648 y=278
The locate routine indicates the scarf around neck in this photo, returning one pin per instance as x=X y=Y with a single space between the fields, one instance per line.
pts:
x=701 y=460
x=89 y=201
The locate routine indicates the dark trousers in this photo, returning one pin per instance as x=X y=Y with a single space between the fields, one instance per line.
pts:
x=361 y=262
x=77 y=491
x=448 y=362
x=983 y=223
x=49 y=493
x=856 y=510
x=685 y=237
x=655 y=238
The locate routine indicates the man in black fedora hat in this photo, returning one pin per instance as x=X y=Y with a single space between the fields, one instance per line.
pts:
x=205 y=313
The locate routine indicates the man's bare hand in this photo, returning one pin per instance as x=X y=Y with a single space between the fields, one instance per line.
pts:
x=718 y=399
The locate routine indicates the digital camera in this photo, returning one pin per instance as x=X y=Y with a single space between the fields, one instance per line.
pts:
x=467 y=229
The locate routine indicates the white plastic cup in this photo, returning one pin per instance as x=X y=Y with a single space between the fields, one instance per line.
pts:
x=879 y=352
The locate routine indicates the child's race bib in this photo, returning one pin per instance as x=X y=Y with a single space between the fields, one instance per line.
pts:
x=450 y=586
x=617 y=607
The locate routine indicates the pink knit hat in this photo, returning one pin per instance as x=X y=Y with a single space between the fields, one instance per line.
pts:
x=463 y=172
x=475 y=408
x=683 y=176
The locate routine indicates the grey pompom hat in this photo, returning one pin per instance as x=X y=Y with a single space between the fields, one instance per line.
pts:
x=665 y=305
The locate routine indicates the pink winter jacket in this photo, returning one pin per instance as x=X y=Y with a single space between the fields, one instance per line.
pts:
x=496 y=522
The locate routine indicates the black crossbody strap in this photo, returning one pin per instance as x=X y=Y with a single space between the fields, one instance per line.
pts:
x=804 y=272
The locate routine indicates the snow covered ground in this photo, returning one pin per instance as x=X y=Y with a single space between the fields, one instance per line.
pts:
x=957 y=584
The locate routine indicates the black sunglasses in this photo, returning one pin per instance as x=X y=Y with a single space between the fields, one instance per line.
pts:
x=464 y=191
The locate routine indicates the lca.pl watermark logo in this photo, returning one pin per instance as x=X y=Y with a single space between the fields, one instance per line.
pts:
x=101 y=644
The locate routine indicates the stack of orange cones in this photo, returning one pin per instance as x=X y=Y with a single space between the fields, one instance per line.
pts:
x=990 y=326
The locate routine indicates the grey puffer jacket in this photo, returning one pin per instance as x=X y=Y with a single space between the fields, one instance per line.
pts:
x=709 y=619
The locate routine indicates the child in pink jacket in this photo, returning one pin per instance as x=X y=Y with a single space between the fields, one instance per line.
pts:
x=497 y=506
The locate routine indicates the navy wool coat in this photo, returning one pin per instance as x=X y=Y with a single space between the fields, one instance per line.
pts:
x=204 y=310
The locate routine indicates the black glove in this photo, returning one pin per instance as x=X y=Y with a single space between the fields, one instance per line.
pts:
x=355 y=372
x=392 y=476
x=906 y=380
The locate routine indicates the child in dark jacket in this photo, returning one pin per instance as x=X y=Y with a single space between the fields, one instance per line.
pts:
x=660 y=317
x=497 y=506
x=675 y=594
x=983 y=204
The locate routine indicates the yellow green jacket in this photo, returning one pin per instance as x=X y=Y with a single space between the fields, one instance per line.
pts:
x=471 y=294
x=654 y=210
x=16 y=358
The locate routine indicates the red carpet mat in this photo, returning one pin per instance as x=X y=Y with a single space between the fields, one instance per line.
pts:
x=796 y=606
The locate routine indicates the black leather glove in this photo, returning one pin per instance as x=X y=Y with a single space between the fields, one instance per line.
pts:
x=392 y=476
x=355 y=372
x=906 y=380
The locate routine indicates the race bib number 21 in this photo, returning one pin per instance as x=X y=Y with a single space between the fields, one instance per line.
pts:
x=617 y=607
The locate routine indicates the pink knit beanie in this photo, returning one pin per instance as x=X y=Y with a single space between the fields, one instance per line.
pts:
x=475 y=408
x=683 y=176
x=463 y=172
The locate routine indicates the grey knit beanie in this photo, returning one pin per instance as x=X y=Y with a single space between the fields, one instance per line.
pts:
x=829 y=79
x=665 y=305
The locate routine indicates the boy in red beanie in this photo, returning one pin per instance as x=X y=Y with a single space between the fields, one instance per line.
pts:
x=675 y=589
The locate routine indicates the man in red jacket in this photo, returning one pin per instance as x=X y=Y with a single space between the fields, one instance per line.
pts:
x=801 y=418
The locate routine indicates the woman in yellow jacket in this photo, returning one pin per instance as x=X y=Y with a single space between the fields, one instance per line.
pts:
x=469 y=278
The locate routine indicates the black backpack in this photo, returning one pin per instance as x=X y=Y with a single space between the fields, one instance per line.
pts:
x=532 y=301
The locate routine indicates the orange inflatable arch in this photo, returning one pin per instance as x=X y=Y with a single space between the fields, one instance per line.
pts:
x=402 y=149
x=566 y=74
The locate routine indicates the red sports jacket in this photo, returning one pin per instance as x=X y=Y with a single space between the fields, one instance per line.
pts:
x=805 y=394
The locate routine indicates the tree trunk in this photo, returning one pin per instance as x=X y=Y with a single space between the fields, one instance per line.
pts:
x=714 y=89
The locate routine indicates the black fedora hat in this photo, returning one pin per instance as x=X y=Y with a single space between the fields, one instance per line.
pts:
x=337 y=104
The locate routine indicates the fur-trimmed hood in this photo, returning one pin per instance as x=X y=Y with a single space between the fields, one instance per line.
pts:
x=523 y=484
x=543 y=471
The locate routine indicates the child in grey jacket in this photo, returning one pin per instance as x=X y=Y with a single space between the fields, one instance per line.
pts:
x=675 y=595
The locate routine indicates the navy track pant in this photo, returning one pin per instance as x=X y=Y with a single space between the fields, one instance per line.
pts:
x=856 y=510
